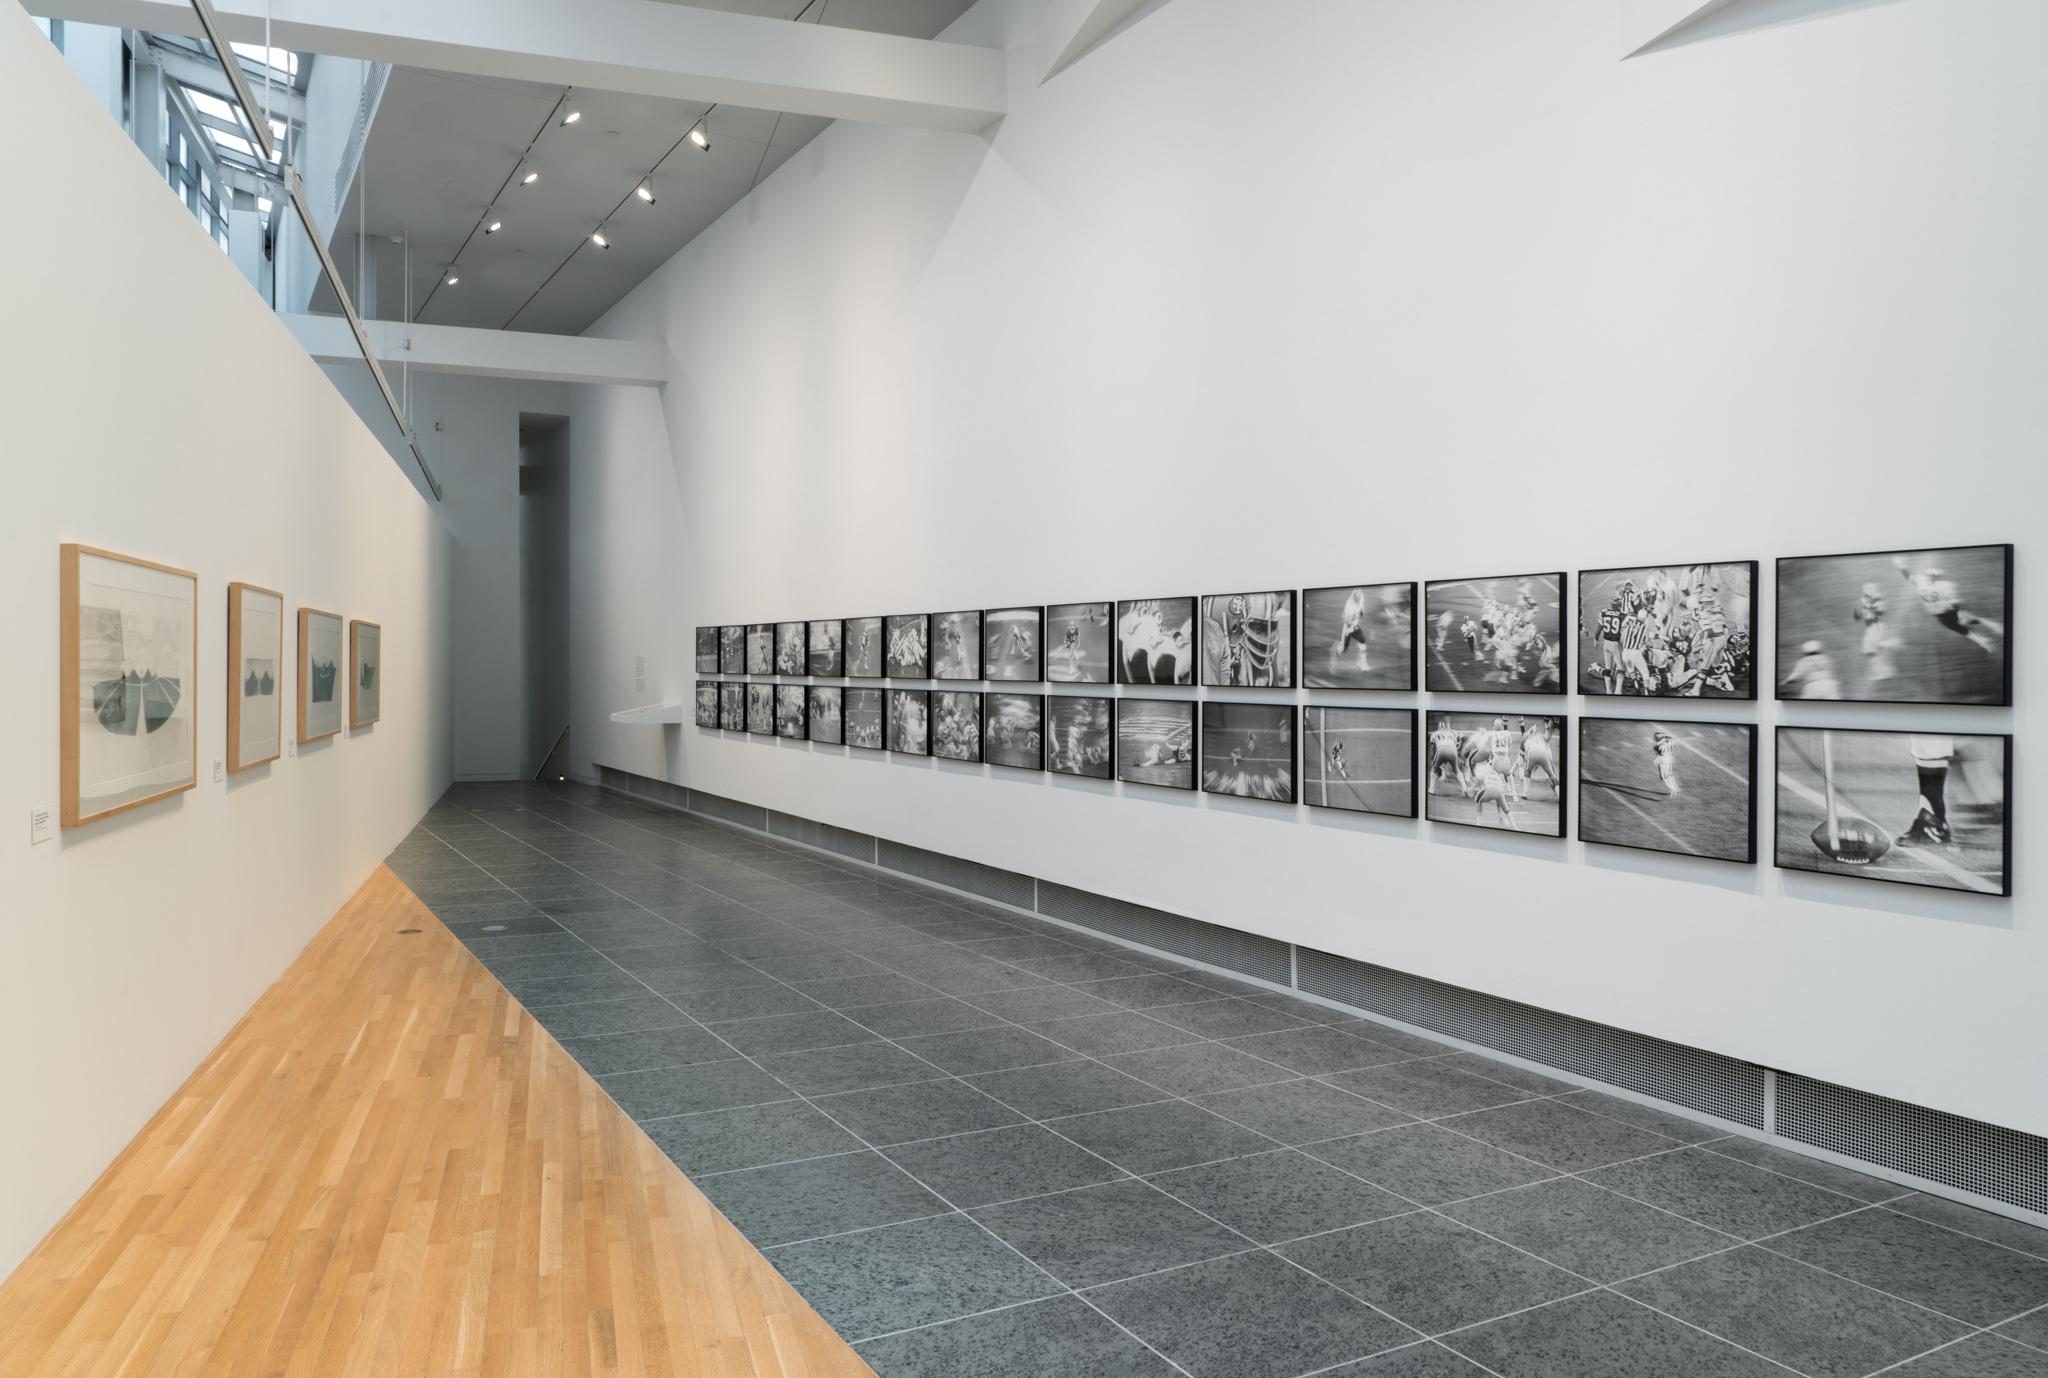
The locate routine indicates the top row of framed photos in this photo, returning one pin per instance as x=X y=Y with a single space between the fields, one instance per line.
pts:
x=1891 y=626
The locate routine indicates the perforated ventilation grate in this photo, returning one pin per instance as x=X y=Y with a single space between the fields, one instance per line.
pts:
x=642 y=789
x=976 y=879
x=826 y=838
x=1969 y=1155
x=728 y=810
x=1249 y=954
x=1704 y=1081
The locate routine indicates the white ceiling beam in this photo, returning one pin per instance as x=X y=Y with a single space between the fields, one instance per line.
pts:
x=207 y=76
x=486 y=353
x=1074 y=27
x=1645 y=23
x=634 y=46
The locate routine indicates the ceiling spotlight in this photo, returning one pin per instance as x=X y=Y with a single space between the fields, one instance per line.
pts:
x=699 y=137
x=531 y=176
x=645 y=191
x=597 y=238
x=571 y=118
x=494 y=227
x=453 y=277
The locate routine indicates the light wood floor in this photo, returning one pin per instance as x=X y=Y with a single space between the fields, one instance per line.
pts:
x=389 y=1168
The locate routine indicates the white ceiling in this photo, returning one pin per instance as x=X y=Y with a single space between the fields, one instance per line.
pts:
x=443 y=149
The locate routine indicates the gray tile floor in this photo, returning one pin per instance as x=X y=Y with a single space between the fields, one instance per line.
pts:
x=982 y=1145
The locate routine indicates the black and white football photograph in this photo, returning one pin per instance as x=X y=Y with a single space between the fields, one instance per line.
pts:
x=1013 y=730
x=707 y=650
x=864 y=719
x=827 y=648
x=1688 y=788
x=1248 y=750
x=956 y=645
x=824 y=709
x=1501 y=636
x=1669 y=631
x=908 y=654
x=1905 y=807
x=761 y=709
x=760 y=648
x=1247 y=639
x=789 y=648
x=864 y=643
x=1359 y=759
x=732 y=650
x=789 y=711
x=956 y=724
x=1358 y=636
x=1155 y=742
x=1077 y=649
x=1495 y=770
x=1077 y=736
x=707 y=703
x=1013 y=645
x=1897 y=626
x=1155 y=641
x=909 y=721
x=732 y=707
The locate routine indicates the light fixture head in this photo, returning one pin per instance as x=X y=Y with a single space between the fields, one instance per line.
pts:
x=494 y=227
x=453 y=277
x=699 y=137
x=529 y=177
x=645 y=191
x=571 y=118
x=597 y=237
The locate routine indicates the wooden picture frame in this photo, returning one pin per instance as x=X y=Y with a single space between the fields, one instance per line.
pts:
x=317 y=626
x=254 y=678
x=365 y=677
x=124 y=702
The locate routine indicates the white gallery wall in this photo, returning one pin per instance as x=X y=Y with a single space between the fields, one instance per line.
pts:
x=1323 y=292
x=158 y=409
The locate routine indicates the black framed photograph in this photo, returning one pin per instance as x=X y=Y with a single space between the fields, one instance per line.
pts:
x=707 y=650
x=864 y=718
x=827 y=648
x=1910 y=808
x=1359 y=759
x=1155 y=641
x=1013 y=730
x=761 y=709
x=1358 y=636
x=1503 y=635
x=908 y=652
x=1496 y=770
x=732 y=706
x=790 y=655
x=1247 y=639
x=1155 y=742
x=1013 y=645
x=1248 y=750
x=707 y=703
x=864 y=641
x=760 y=648
x=1897 y=626
x=1669 y=631
x=956 y=645
x=789 y=711
x=824 y=710
x=1688 y=788
x=1079 y=650
x=732 y=650
x=1077 y=736
x=956 y=724
x=909 y=721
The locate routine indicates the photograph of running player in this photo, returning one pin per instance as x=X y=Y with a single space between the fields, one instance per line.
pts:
x=827 y=648
x=761 y=709
x=789 y=648
x=707 y=650
x=825 y=712
x=909 y=721
x=956 y=724
x=1248 y=640
x=789 y=711
x=1358 y=636
x=1688 y=788
x=906 y=653
x=1077 y=736
x=1911 y=808
x=863 y=641
x=956 y=645
x=1013 y=730
x=1496 y=770
x=1248 y=750
x=1155 y=742
x=1359 y=759
x=1013 y=645
x=864 y=719
x=1499 y=636
x=760 y=648
x=1078 y=649
x=1897 y=626
x=732 y=650
x=1155 y=641
x=1669 y=631
x=732 y=707
x=707 y=703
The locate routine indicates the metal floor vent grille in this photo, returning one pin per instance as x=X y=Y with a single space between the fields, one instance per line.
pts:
x=825 y=837
x=1707 y=1082
x=989 y=882
x=1969 y=1155
x=728 y=810
x=1232 y=949
x=640 y=787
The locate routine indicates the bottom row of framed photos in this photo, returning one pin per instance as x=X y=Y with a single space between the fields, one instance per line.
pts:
x=1909 y=808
